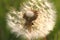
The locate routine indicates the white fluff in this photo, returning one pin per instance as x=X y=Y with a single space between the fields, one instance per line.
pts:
x=42 y=25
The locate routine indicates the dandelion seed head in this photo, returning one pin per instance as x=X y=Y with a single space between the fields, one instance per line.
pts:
x=35 y=19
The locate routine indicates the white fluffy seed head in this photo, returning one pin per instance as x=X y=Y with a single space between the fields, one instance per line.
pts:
x=41 y=26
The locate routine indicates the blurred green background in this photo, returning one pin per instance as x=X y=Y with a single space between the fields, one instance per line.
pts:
x=4 y=32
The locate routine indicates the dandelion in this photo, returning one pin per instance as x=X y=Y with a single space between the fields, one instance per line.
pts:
x=35 y=19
